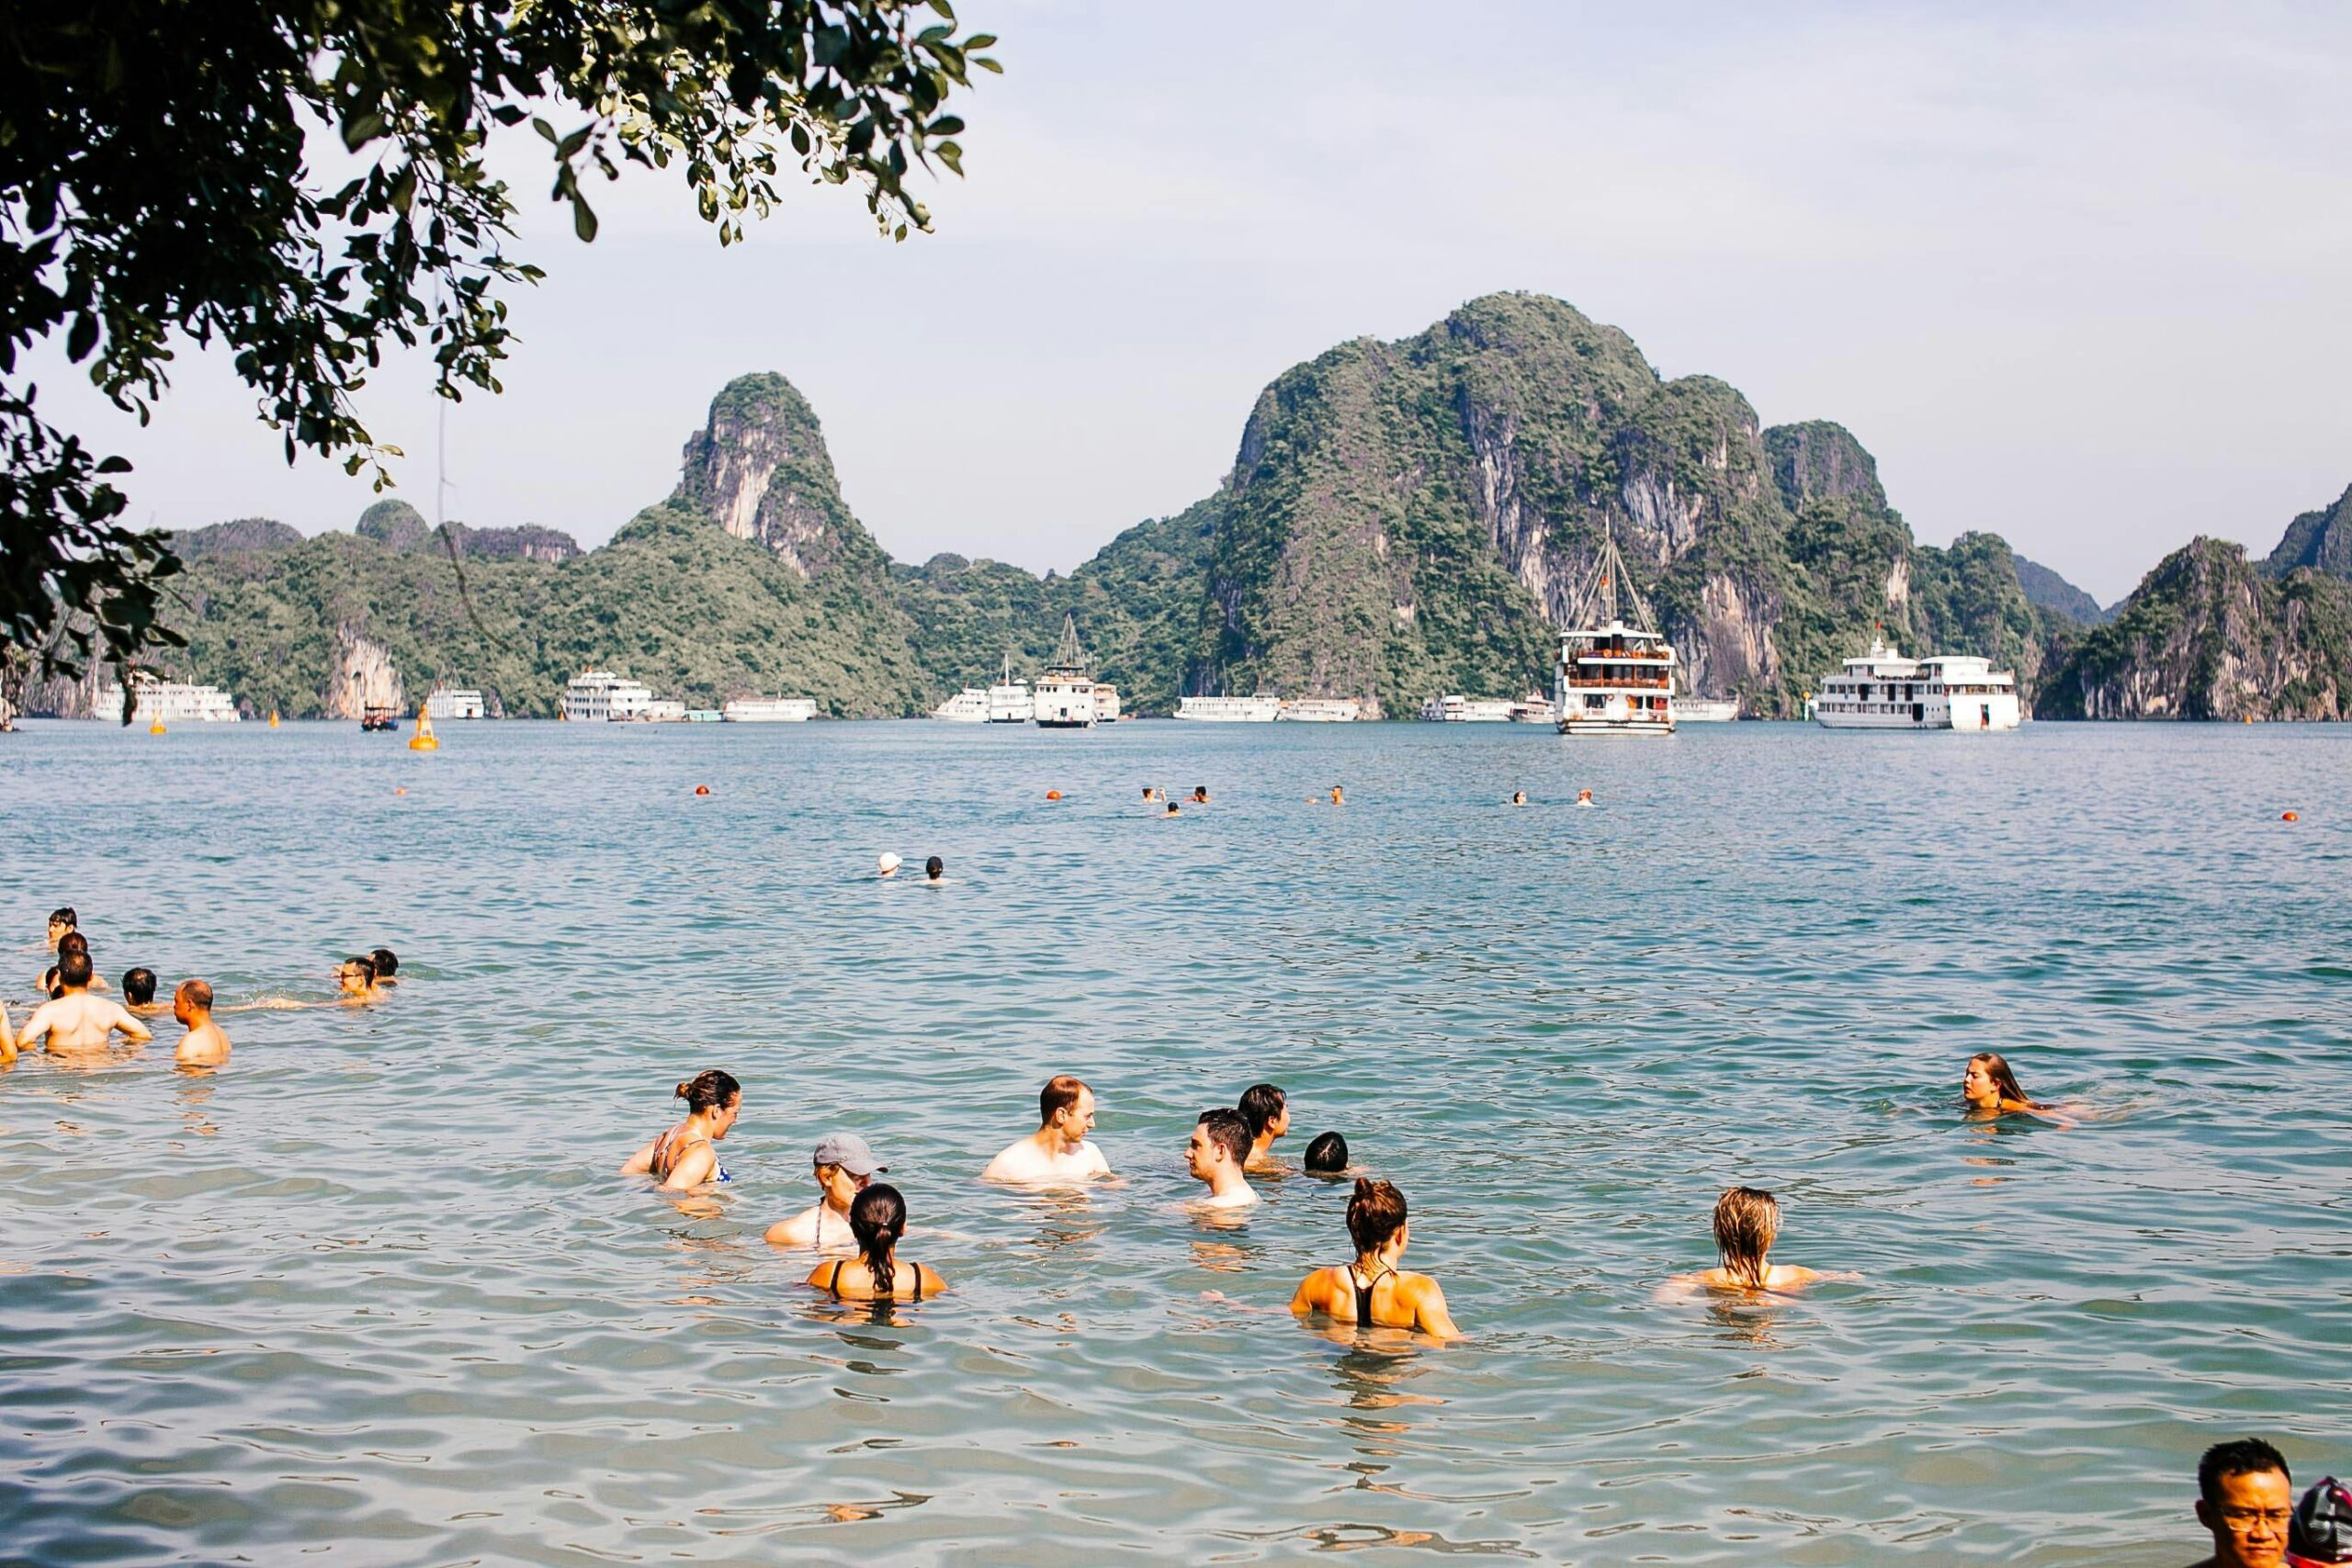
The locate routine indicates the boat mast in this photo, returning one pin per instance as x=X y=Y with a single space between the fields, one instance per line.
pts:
x=1068 y=654
x=1599 y=602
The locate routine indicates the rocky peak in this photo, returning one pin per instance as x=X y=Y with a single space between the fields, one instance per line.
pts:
x=759 y=469
x=1819 y=459
x=235 y=537
x=2321 y=540
x=395 y=524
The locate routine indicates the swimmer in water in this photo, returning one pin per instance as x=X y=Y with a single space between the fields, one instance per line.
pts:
x=1990 y=1087
x=1372 y=1291
x=935 y=872
x=73 y=1021
x=388 y=966
x=1326 y=1156
x=1152 y=796
x=877 y=1218
x=1267 y=1110
x=139 y=991
x=1748 y=1219
x=1059 y=1149
x=1199 y=794
x=1338 y=798
x=686 y=1156
x=885 y=865
x=1219 y=1145
x=844 y=1165
x=205 y=1044
x=357 y=977
x=1584 y=798
x=72 y=942
x=1518 y=797
x=62 y=921
x=1170 y=812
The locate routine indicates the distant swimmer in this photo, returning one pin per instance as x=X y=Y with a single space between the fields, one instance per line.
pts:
x=1338 y=797
x=1171 y=811
x=1748 y=1220
x=887 y=864
x=1267 y=1110
x=1059 y=1150
x=75 y=1021
x=1220 y=1143
x=61 y=921
x=1326 y=1156
x=205 y=1044
x=877 y=1219
x=1152 y=796
x=139 y=991
x=844 y=1165
x=935 y=872
x=72 y=942
x=357 y=977
x=1584 y=798
x=388 y=966
x=686 y=1156
x=2246 y=1500
x=1372 y=1291
x=1199 y=794
x=1518 y=797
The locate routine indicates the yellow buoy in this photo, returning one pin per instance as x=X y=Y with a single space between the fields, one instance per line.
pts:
x=424 y=739
x=272 y=718
x=156 y=728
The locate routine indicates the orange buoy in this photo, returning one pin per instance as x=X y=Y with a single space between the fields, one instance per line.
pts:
x=399 y=792
x=702 y=789
x=2289 y=817
x=1053 y=795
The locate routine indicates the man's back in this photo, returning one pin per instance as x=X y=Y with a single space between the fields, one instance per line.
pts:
x=79 y=1022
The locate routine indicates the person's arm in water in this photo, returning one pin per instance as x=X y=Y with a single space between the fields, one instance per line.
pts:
x=1313 y=1294
x=1421 y=1293
x=37 y=1027
x=641 y=1162
x=7 y=1038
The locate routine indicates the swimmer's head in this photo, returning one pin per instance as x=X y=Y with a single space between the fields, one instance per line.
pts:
x=1327 y=1155
x=357 y=975
x=138 y=987
x=1219 y=1137
x=74 y=968
x=193 y=997
x=712 y=1088
x=1065 y=1102
x=387 y=963
x=1201 y=794
x=49 y=983
x=934 y=868
x=1376 y=1215
x=1746 y=1221
x=885 y=865
x=1173 y=811
x=73 y=942
x=1989 y=1081
x=1266 y=1109
x=1518 y=797
x=877 y=1218
x=62 y=921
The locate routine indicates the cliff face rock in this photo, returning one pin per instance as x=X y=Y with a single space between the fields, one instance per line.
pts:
x=2208 y=635
x=528 y=542
x=2321 y=540
x=759 y=469
x=363 y=677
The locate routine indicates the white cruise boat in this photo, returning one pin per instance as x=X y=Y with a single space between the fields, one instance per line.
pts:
x=769 y=710
x=166 y=701
x=1230 y=710
x=1705 y=710
x=1008 y=700
x=1453 y=709
x=1066 y=691
x=1107 y=703
x=593 y=696
x=446 y=703
x=1321 y=710
x=1883 y=690
x=1533 y=709
x=969 y=705
x=1615 y=675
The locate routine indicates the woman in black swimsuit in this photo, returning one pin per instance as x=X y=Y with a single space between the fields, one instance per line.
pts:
x=877 y=1218
x=1372 y=1291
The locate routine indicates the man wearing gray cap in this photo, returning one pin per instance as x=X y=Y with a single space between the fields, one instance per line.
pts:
x=845 y=1164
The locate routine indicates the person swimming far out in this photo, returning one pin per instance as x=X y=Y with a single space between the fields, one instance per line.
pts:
x=935 y=872
x=1372 y=1291
x=686 y=1156
x=1267 y=1109
x=1219 y=1145
x=1518 y=797
x=844 y=1167
x=205 y=1044
x=887 y=864
x=388 y=966
x=1326 y=1155
x=877 y=1219
x=1171 y=813
x=139 y=991
x=1747 y=1221
x=1199 y=794
x=356 y=977
x=1584 y=798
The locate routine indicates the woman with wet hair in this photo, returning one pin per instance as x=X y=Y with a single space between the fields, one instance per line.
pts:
x=1748 y=1220
x=1372 y=1291
x=1990 y=1086
x=686 y=1156
x=877 y=1218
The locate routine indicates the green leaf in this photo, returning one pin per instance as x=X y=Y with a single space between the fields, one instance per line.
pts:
x=83 y=338
x=584 y=221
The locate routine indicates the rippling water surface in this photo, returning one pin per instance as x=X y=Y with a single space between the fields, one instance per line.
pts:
x=373 y=1296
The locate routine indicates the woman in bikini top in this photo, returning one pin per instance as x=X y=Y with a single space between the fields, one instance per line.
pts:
x=686 y=1156
x=1372 y=1291
x=877 y=1218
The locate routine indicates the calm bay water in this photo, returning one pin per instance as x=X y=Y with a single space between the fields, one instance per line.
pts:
x=373 y=1296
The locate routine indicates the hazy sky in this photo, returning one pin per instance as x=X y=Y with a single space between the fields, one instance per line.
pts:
x=2075 y=275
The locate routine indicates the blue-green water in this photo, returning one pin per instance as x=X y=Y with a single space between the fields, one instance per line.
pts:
x=373 y=1296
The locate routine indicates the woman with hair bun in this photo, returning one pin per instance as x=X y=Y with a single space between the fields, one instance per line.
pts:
x=686 y=1156
x=1372 y=1291
x=877 y=1218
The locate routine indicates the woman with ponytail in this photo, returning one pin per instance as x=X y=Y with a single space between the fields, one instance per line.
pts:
x=686 y=1156
x=877 y=1218
x=1372 y=1291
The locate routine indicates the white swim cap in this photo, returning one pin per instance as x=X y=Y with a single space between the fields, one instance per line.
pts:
x=888 y=863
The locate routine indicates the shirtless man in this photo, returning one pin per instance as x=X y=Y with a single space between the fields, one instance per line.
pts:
x=1267 y=1112
x=77 y=1021
x=205 y=1044
x=139 y=991
x=1059 y=1150
x=356 y=978
x=1220 y=1142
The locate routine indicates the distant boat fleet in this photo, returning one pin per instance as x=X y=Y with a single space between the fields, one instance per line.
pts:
x=1067 y=696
